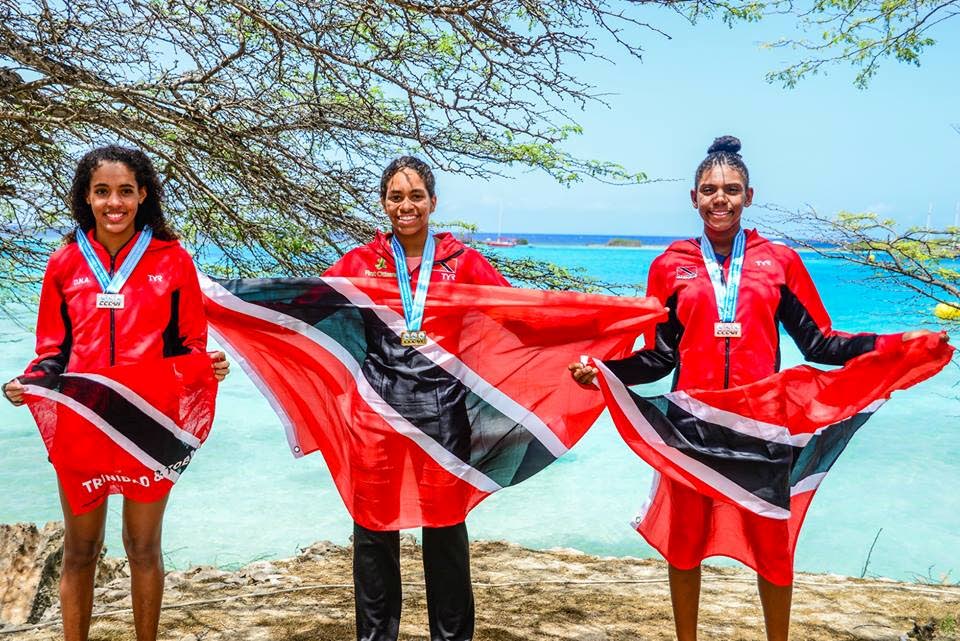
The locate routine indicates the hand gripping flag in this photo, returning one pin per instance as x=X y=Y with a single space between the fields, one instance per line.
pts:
x=420 y=435
x=128 y=430
x=740 y=466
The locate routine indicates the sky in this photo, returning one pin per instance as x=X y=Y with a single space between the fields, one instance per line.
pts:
x=889 y=149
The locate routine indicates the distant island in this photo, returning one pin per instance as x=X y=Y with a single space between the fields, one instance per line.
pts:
x=624 y=242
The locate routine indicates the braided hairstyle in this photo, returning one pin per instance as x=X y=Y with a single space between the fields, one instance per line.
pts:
x=725 y=150
x=408 y=162
x=148 y=213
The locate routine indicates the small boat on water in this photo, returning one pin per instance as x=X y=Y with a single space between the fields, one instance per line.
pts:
x=500 y=241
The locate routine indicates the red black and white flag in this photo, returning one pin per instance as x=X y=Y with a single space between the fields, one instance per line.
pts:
x=762 y=448
x=128 y=430
x=420 y=435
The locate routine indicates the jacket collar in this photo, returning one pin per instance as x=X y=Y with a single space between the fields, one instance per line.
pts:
x=447 y=245
x=102 y=252
x=692 y=245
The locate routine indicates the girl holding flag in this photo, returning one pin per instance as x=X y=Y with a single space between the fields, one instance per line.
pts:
x=415 y=257
x=120 y=291
x=727 y=292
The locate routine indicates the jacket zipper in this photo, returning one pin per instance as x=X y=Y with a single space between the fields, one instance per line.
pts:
x=726 y=363
x=726 y=343
x=113 y=320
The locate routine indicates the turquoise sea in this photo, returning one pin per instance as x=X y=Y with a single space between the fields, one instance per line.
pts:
x=246 y=498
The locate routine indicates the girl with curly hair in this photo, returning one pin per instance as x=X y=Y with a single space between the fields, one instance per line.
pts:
x=158 y=312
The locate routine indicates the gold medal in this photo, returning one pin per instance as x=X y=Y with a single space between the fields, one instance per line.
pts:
x=109 y=301
x=726 y=330
x=413 y=339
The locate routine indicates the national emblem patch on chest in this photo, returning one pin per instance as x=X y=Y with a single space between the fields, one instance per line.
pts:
x=686 y=272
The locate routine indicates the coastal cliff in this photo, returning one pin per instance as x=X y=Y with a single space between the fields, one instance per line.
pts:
x=521 y=595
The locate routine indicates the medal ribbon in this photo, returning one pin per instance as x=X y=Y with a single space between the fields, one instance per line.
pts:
x=113 y=285
x=413 y=306
x=725 y=293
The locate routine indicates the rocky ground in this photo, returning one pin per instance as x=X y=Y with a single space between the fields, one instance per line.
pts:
x=521 y=595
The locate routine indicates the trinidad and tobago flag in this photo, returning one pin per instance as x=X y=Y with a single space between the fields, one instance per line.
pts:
x=420 y=435
x=737 y=468
x=128 y=430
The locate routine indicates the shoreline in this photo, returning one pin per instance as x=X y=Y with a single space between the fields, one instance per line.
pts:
x=657 y=248
x=521 y=595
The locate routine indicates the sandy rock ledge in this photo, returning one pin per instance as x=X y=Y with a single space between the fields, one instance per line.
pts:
x=521 y=595
x=30 y=560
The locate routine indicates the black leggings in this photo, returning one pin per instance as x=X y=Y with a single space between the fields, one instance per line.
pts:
x=377 y=591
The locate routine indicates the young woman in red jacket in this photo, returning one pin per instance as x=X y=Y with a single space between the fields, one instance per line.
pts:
x=115 y=199
x=715 y=344
x=411 y=253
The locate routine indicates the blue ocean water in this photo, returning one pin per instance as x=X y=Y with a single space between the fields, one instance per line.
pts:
x=245 y=497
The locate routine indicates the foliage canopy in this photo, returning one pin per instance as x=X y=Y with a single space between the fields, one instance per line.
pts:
x=270 y=121
x=926 y=261
x=859 y=33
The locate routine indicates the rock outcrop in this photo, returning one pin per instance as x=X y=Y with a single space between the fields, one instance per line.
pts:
x=29 y=570
x=30 y=559
x=521 y=594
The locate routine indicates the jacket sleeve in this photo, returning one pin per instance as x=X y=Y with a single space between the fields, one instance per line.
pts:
x=804 y=317
x=54 y=332
x=661 y=343
x=350 y=264
x=192 y=320
x=336 y=269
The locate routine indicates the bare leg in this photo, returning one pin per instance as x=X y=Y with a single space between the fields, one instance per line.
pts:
x=685 y=596
x=142 y=524
x=82 y=542
x=776 y=600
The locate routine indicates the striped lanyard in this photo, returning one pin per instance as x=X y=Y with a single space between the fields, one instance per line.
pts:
x=113 y=285
x=725 y=293
x=413 y=306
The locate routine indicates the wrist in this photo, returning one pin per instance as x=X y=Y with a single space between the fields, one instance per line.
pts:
x=888 y=342
x=3 y=390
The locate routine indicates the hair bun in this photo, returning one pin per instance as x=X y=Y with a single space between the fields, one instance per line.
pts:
x=730 y=144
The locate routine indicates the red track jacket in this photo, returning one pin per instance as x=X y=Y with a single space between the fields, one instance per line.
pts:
x=162 y=314
x=775 y=289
